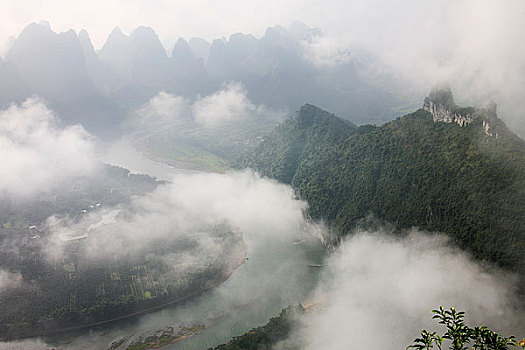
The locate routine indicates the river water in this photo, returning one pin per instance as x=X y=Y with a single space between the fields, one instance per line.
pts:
x=276 y=275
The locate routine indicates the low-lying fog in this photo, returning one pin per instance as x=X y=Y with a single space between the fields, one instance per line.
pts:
x=376 y=290
x=38 y=154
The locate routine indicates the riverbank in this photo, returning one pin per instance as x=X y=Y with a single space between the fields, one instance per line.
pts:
x=238 y=259
x=158 y=339
x=275 y=276
x=164 y=337
x=142 y=145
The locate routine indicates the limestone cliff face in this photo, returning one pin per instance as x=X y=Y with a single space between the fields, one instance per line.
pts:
x=440 y=103
x=490 y=120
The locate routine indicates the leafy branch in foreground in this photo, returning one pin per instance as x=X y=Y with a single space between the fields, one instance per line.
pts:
x=459 y=335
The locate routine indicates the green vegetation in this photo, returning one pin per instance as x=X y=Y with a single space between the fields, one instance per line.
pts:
x=459 y=335
x=312 y=132
x=409 y=172
x=465 y=181
x=51 y=292
x=108 y=187
x=261 y=338
x=190 y=155
x=159 y=339
x=211 y=147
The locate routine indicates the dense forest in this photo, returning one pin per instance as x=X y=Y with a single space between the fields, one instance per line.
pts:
x=464 y=180
x=443 y=168
x=265 y=337
x=43 y=293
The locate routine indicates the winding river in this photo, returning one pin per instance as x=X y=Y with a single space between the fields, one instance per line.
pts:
x=277 y=274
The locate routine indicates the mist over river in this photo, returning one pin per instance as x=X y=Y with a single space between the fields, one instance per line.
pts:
x=276 y=275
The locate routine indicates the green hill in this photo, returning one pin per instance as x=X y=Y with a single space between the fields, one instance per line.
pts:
x=443 y=168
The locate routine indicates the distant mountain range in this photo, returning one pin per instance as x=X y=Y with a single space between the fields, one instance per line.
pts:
x=443 y=168
x=98 y=89
x=53 y=66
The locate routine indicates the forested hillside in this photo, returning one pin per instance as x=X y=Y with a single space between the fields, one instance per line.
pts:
x=51 y=282
x=443 y=168
x=265 y=337
x=280 y=155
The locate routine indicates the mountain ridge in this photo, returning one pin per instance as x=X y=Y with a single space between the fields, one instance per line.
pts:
x=413 y=171
x=131 y=69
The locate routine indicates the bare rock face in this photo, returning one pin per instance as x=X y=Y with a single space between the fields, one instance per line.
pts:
x=441 y=96
x=490 y=119
x=440 y=103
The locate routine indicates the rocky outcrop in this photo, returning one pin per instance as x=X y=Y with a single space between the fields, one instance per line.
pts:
x=440 y=103
x=490 y=119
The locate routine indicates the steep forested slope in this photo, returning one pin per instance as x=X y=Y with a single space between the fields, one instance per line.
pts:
x=313 y=130
x=443 y=168
x=265 y=337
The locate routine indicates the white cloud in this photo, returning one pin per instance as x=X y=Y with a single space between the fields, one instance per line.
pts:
x=260 y=208
x=381 y=289
x=223 y=106
x=242 y=198
x=229 y=104
x=325 y=51
x=164 y=109
x=476 y=45
x=38 y=155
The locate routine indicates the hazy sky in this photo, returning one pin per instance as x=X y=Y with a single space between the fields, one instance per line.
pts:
x=476 y=45
x=211 y=19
